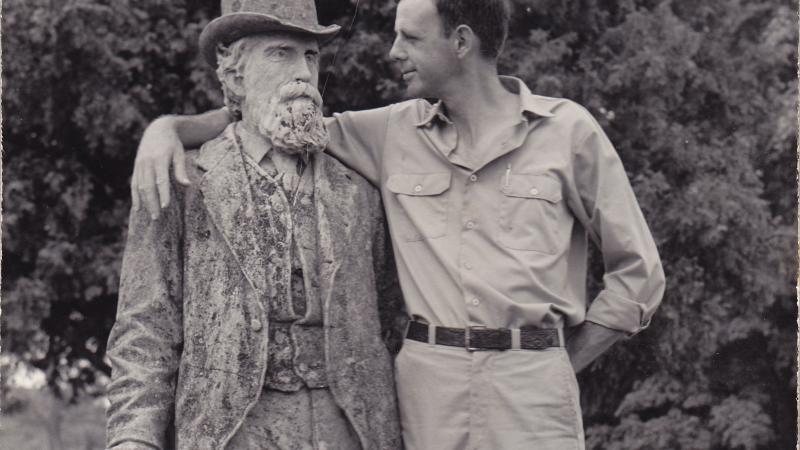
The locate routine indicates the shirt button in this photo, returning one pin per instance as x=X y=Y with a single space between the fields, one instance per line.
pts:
x=255 y=324
x=468 y=266
x=417 y=188
x=280 y=245
x=475 y=302
x=470 y=225
x=473 y=178
x=534 y=191
x=279 y=207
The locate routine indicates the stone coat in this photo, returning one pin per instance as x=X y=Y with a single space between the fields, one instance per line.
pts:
x=189 y=347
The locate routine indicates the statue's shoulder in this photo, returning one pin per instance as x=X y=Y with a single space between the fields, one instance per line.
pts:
x=335 y=170
x=212 y=152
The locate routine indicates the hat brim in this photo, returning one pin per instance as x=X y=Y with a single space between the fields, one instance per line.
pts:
x=234 y=26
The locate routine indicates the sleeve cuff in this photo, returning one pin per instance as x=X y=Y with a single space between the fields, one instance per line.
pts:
x=142 y=437
x=618 y=313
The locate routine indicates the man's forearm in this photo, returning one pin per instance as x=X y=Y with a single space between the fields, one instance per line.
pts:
x=588 y=342
x=195 y=130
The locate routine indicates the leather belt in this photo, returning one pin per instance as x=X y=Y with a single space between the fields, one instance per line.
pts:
x=481 y=338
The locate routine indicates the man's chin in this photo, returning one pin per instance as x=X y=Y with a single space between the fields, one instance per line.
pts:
x=413 y=90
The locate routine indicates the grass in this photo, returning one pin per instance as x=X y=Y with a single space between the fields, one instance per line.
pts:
x=46 y=423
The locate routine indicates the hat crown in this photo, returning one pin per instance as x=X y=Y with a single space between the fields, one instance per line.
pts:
x=300 y=12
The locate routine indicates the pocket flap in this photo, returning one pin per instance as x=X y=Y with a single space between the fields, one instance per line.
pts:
x=541 y=187
x=418 y=183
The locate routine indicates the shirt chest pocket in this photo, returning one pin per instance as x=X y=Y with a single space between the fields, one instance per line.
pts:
x=529 y=218
x=422 y=205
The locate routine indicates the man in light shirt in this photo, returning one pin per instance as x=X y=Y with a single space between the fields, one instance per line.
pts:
x=490 y=193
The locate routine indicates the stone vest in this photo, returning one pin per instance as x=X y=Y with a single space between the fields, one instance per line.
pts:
x=296 y=356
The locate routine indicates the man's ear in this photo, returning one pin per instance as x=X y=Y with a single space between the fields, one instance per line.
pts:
x=464 y=40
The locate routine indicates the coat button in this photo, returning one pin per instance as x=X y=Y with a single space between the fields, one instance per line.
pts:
x=417 y=188
x=534 y=191
x=255 y=324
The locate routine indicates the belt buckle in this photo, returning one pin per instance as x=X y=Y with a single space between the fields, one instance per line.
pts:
x=467 y=338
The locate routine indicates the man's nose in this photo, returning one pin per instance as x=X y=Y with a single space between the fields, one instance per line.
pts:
x=397 y=53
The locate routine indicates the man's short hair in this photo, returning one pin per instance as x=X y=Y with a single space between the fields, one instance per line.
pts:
x=488 y=19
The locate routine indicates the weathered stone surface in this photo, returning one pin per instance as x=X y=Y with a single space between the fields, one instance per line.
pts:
x=190 y=343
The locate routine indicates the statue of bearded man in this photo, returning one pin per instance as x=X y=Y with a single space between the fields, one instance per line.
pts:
x=248 y=315
x=274 y=93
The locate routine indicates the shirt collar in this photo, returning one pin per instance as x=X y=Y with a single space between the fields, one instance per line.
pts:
x=434 y=112
x=255 y=152
x=530 y=105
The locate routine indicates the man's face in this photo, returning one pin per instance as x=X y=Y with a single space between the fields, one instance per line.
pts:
x=280 y=91
x=426 y=56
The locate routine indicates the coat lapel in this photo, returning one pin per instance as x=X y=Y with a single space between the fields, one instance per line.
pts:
x=334 y=196
x=229 y=201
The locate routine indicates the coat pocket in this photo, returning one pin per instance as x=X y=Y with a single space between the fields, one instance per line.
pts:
x=423 y=204
x=529 y=213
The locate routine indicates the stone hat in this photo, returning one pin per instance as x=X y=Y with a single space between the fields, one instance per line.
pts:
x=241 y=18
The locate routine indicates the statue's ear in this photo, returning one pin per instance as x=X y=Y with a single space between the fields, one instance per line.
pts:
x=234 y=80
x=230 y=68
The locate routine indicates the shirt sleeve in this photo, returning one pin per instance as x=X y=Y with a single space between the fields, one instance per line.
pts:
x=604 y=202
x=357 y=140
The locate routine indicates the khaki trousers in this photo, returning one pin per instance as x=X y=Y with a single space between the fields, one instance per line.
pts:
x=308 y=419
x=500 y=400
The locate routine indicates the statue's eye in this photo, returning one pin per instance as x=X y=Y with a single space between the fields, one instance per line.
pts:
x=277 y=54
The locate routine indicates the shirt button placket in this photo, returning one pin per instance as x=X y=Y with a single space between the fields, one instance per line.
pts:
x=468 y=235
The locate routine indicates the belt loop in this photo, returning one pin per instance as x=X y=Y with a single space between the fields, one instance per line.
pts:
x=431 y=334
x=561 y=342
x=515 y=339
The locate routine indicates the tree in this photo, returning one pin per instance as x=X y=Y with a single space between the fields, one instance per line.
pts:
x=698 y=97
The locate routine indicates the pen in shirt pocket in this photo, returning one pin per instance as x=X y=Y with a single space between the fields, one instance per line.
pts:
x=508 y=175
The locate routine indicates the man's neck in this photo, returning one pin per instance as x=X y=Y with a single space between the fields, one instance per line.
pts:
x=479 y=104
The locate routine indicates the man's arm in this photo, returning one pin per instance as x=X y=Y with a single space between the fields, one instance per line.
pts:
x=602 y=199
x=589 y=341
x=145 y=342
x=356 y=139
x=163 y=143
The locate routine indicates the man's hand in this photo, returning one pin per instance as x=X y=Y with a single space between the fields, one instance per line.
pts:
x=159 y=147
x=163 y=144
x=588 y=342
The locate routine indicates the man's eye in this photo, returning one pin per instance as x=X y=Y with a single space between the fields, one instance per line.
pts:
x=312 y=57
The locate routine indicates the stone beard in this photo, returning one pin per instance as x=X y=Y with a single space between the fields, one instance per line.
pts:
x=292 y=119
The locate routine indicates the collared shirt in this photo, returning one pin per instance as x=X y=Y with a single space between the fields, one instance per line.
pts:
x=502 y=241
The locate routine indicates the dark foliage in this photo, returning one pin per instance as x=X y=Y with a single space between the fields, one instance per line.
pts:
x=699 y=98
